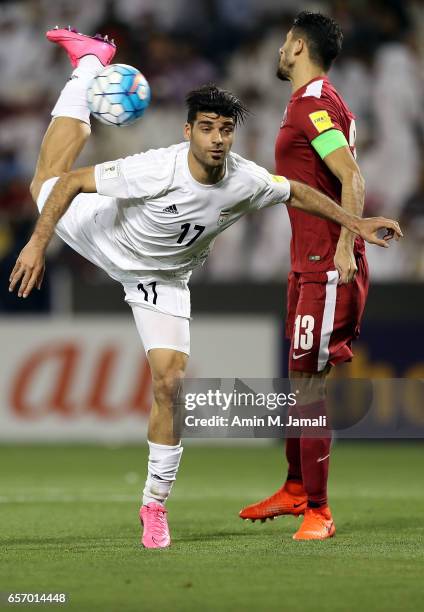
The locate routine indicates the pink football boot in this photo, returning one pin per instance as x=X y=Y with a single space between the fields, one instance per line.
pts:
x=155 y=526
x=78 y=45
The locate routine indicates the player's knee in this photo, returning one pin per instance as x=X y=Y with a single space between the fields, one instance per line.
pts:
x=309 y=388
x=166 y=383
x=35 y=188
x=165 y=387
x=37 y=183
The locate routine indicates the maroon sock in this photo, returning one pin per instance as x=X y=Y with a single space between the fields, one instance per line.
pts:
x=293 y=448
x=315 y=443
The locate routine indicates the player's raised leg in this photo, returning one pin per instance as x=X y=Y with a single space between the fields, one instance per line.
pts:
x=70 y=126
x=62 y=143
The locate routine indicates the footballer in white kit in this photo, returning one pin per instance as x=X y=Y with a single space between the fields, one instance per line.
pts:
x=148 y=220
x=151 y=222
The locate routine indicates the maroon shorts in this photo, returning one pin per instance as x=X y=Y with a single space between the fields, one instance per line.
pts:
x=323 y=317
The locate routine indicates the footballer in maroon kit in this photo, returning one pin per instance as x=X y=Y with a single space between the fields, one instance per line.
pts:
x=328 y=282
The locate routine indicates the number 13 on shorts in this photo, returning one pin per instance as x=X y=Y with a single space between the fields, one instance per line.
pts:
x=303 y=332
x=305 y=342
x=323 y=318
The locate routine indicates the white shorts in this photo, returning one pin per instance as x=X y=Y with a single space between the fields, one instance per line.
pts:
x=160 y=330
x=157 y=304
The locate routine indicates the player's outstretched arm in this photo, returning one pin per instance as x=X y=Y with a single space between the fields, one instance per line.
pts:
x=29 y=267
x=310 y=200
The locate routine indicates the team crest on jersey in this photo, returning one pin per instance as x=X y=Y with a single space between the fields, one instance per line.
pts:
x=223 y=216
x=110 y=170
x=284 y=119
x=321 y=120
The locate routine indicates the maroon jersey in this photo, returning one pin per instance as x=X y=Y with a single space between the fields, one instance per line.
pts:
x=312 y=110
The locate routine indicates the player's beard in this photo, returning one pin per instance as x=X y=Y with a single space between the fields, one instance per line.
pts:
x=283 y=73
x=216 y=167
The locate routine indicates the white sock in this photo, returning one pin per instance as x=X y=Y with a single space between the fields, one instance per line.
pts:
x=162 y=471
x=72 y=101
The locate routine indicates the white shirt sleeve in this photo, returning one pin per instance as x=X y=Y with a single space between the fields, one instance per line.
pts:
x=273 y=189
x=142 y=175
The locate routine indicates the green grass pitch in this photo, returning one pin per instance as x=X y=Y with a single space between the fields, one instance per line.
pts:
x=69 y=524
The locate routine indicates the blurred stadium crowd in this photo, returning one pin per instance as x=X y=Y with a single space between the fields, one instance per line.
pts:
x=179 y=44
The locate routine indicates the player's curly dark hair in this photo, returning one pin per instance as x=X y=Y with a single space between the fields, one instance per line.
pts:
x=211 y=99
x=323 y=36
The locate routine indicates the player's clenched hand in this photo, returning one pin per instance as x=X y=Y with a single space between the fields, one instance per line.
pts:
x=29 y=270
x=345 y=264
x=368 y=229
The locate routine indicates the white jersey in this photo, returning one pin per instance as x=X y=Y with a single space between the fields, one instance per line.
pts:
x=163 y=221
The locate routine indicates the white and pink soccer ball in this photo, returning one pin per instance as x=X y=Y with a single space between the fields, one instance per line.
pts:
x=118 y=95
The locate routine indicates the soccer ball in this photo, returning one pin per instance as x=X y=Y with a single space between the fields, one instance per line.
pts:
x=118 y=95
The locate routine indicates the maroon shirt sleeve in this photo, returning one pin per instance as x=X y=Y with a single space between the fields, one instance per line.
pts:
x=313 y=116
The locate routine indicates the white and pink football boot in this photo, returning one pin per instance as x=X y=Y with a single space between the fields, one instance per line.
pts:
x=155 y=526
x=78 y=45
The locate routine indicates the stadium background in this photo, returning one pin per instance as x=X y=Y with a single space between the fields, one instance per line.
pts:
x=178 y=45
x=72 y=369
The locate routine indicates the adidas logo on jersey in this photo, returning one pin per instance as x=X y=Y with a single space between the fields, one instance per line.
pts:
x=171 y=209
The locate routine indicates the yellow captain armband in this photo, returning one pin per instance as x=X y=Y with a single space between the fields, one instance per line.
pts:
x=329 y=141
